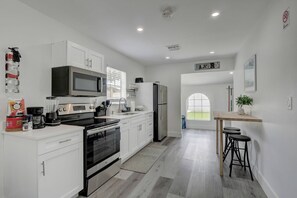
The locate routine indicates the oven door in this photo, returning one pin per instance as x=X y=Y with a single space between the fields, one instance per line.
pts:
x=87 y=83
x=102 y=147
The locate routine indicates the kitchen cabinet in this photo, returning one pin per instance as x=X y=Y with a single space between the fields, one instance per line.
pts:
x=133 y=138
x=71 y=54
x=149 y=125
x=96 y=61
x=43 y=168
x=60 y=172
x=124 y=148
x=136 y=133
x=141 y=141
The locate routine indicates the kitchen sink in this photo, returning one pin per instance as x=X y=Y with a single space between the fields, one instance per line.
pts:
x=129 y=113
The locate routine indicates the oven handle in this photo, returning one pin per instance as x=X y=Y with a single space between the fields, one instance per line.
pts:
x=93 y=131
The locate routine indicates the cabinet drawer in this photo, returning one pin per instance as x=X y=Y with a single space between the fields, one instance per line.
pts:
x=125 y=123
x=149 y=116
x=58 y=142
x=137 y=120
x=149 y=124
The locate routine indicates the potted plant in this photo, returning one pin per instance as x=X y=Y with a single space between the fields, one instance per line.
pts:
x=243 y=100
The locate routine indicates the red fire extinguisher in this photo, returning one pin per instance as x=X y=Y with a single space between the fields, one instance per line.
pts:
x=9 y=55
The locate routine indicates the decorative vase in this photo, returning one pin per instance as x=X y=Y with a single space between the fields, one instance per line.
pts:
x=247 y=109
x=240 y=111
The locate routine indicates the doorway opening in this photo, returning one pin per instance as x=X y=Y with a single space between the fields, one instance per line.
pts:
x=205 y=93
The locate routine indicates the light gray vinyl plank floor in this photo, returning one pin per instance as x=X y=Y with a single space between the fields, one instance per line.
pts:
x=189 y=168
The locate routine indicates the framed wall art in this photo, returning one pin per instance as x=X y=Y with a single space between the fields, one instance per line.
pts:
x=250 y=77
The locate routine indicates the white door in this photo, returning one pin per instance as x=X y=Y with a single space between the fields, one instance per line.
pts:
x=77 y=55
x=96 y=61
x=61 y=172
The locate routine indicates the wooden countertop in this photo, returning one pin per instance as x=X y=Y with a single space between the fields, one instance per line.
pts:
x=234 y=116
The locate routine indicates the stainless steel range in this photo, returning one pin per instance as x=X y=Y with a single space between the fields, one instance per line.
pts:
x=101 y=144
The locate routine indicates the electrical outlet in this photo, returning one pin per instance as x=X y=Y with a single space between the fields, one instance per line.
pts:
x=290 y=107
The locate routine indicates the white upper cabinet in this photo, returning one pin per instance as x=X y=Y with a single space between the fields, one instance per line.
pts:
x=71 y=54
x=76 y=55
x=96 y=61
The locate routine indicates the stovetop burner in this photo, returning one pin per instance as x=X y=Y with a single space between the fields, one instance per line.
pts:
x=93 y=122
x=82 y=115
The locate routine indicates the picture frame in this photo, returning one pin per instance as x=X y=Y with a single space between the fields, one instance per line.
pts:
x=250 y=77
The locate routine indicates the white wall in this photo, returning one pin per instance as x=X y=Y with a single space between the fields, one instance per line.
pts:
x=170 y=75
x=34 y=32
x=217 y=95
x=274 y=142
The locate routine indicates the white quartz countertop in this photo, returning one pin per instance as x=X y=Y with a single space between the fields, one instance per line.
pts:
x=47 y=132
x=122 y=117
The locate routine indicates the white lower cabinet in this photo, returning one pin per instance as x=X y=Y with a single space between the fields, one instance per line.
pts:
x=59 y=172
x=47 y=168
x=133 y=137
x=124 y=148
x=149 y=125
x=135 y=134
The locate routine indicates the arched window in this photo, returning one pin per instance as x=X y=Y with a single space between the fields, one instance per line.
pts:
x=198 y=107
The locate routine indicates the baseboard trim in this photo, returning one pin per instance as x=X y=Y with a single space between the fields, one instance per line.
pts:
x=174 y=134
x=265 y=185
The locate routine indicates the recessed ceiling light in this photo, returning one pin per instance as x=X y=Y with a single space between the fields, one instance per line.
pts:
x=212 y=52
x=167 y=57
x=231 y=73
x=140 y=29
x=215 y=14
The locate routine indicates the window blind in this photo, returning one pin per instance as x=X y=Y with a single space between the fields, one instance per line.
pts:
x=116 y=83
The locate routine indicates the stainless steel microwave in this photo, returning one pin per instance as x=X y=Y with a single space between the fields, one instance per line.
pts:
x=73 y=81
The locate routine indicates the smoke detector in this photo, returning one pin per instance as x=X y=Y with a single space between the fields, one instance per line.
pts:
x=167 y=12
x=174 y=47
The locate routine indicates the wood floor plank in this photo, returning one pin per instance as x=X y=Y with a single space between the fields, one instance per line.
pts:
x=161 y=188
x=127 y=186
x=168 y=141
x=180 y=182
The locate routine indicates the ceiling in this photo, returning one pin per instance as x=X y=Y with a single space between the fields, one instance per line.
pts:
x=207 y=78
x=114 y=23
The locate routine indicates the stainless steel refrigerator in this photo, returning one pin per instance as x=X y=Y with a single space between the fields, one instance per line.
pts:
x=160 y=112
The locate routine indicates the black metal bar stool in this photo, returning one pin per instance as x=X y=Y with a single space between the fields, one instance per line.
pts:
x=227 y=147
x=235 y=148
x=231 y=128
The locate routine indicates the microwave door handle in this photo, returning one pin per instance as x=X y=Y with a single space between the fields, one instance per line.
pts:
x=99 y=85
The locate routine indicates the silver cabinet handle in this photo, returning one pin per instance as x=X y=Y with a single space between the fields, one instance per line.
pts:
x=63 y=141
x=91 y=62
x=43 y=168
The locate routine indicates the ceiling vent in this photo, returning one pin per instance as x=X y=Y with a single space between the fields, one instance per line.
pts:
x=174 y=47
x=167 y=12
x=206 y=66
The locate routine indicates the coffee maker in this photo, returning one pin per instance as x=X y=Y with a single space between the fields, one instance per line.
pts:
x=38 y=117
x=52 y=104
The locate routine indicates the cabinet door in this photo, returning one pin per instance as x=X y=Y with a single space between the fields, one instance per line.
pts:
x=124 y=142
x=149 y=126
x=133 y=133
x=96 y=61
x=61 y=172
x=141 y=134
x=77 y=55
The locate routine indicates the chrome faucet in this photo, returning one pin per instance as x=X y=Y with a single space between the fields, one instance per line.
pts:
x=125 y=104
